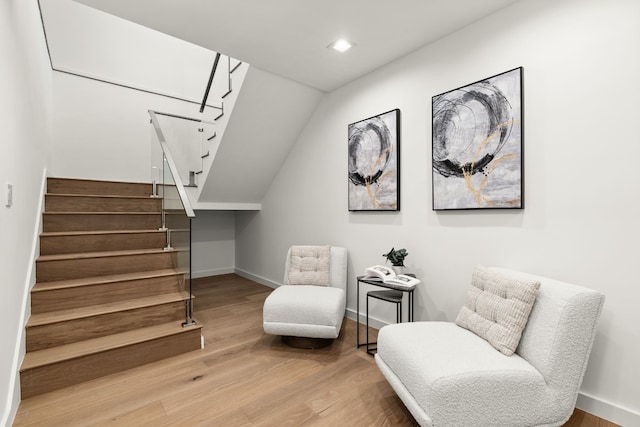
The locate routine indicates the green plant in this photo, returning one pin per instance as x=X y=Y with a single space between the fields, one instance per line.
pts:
x=396 y=257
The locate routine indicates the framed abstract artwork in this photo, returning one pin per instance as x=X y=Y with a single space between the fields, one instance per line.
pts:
x=477 y=145
x=374 y=163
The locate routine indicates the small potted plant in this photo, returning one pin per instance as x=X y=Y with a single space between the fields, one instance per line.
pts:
x=396 y=257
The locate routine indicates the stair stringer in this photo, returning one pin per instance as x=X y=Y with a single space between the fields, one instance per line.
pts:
x=237 y=77
x=270 y=113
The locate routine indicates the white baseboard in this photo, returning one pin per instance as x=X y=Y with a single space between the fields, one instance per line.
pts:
x=13 y=399
x=607 y=410
x=373 y=322
x=214 y=272
x=262 y=280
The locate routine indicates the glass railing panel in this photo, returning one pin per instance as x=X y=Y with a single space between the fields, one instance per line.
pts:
x=182 y=138
x=176 y=210
x=188 y=141
x=177 y=225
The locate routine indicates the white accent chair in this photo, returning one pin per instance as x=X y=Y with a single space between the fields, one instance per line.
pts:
x=448 y=376
x=309 y=311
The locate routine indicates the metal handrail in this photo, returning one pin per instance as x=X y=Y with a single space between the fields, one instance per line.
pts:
x=176 y=116
x=186 y=204
x=213 y=73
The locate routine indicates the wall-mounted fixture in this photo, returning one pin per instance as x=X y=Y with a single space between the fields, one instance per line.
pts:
x=8 y=197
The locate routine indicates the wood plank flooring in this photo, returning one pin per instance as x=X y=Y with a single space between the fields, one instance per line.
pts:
x=242 y=377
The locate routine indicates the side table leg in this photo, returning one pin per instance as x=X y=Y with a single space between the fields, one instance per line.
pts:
x=411 y=306
x=367 y=332
x=357 y=314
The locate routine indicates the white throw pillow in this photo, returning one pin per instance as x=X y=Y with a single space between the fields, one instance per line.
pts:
x=497 y=308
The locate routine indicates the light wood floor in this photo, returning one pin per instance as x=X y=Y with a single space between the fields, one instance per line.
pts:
x=241 y=378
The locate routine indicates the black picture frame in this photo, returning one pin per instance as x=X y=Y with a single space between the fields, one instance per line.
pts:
x=477 y=145
x=374 y=163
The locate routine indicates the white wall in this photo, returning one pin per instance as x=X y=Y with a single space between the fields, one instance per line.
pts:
x=579 y=224
x=25 y=121
x=102 y=131
x=213 y=248
x=90 y=42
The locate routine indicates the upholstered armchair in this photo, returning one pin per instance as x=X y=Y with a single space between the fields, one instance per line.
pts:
x=448 y=375
x=307 y=311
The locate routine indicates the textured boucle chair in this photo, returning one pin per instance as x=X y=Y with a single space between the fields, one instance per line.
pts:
x=307 y=311
x=447 y=375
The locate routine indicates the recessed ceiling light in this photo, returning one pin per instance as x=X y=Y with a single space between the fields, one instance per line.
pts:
x=342 y=45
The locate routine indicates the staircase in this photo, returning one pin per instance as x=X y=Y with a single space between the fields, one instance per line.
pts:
x=107 y=296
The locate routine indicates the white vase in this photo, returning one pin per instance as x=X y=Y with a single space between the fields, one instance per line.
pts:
x=398 y=269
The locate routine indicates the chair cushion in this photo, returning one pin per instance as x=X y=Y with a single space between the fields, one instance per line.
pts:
x=458 y=378
x=304 y=311
x=497 y=307
x=309 y=265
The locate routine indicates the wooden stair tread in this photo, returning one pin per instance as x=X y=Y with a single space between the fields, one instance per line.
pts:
x=96 y=310
x=49 y=356
x=101 y=254
x=101 y=196
x=101 y=213
x=98 y=232
x=97 y=280
x=91 y=186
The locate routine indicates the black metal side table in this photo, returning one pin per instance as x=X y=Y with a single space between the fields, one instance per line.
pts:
x=390 y=295
x=378 y=282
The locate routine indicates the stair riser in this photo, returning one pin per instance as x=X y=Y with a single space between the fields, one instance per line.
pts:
x=46 y=336
x=53 y=245
x=96 y=222
x=47 y=271
x=177 y=220
x=74 y=186
x=53 y=377
x=83 y=296
x=62 y=203
x=180 y=239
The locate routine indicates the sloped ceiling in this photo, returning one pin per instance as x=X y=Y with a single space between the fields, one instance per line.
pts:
x=290 y=37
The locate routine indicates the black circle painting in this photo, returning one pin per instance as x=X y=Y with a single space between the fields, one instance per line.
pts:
x=373 y=163
x=477 y=144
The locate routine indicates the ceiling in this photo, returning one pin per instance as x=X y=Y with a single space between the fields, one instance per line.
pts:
x=290 y=37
